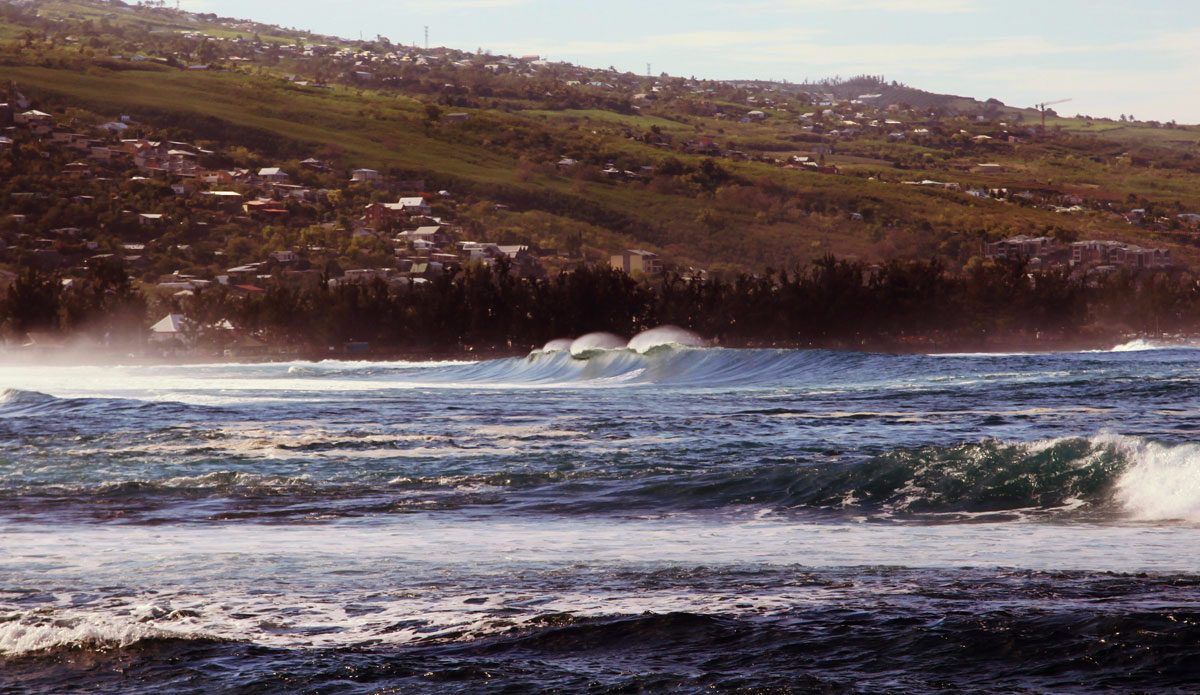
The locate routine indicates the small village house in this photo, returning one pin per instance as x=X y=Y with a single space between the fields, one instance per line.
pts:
x=636 y=260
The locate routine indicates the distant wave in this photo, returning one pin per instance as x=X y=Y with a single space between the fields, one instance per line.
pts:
x=660 y=364
x=1143 y=345
x=18 y=402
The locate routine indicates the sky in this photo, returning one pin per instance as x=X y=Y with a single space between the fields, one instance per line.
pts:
x=1109 y=57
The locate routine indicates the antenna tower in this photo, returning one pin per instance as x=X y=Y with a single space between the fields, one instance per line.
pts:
x=647 y=69
x=427 y=37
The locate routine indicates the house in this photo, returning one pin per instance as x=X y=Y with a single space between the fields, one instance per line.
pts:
x=1022 y=246
x=285 y=256
x=171 y=328
x=180 y=161
x=1119 y=254
x=31 y=118
x=636 y=260
x=150 y=219
x=416 y=205
x=264 y=208
x=435 y=235
x=273 y=175
x=456 y=117
x=288 y=190
x=244 y=273
x=103 y=154
x=988 y=168
x=378 y=215
x=365 y=176
x=365 y=275
x=223 y=178
x=227 y=199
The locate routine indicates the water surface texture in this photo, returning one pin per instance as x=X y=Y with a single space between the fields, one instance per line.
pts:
x=682 y=521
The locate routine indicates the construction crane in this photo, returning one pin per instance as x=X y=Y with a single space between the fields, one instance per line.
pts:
x=1042 y=107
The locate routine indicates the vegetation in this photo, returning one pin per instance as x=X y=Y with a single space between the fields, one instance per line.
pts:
x=722 y=179
x=900 y=306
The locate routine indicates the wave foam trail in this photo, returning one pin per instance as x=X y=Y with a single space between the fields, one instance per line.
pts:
x=1161 y=482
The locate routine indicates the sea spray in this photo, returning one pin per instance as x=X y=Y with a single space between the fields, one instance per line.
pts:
x=665 y=335
x=592 y=342
x=558 y=345
x=1161 y=482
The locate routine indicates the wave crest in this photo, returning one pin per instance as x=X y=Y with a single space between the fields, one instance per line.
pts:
x=34 y=635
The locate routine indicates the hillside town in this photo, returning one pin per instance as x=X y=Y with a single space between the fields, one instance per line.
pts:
x=409 y=240
x=186 y=207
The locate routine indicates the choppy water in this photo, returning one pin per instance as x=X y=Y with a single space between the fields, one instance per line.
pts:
x=683 y=521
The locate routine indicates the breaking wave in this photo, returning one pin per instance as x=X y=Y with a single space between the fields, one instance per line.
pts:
x=1105 y=478
x=1108 y=477
x=1143 y=345
x=34 y=634
x=669 y=364
x=16 y=401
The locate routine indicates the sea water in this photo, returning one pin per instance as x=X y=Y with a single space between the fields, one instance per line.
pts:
x=681 y=521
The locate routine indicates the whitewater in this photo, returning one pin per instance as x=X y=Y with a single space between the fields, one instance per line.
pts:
x=658 y=516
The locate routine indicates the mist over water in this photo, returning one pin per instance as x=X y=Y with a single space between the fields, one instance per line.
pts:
x=645 y=515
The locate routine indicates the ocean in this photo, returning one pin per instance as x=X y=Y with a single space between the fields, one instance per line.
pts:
x=688 y=520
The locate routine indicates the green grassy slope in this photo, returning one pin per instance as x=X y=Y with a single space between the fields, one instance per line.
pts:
x=758 y=215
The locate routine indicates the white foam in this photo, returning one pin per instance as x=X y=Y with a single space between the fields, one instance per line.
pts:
x=271 y=584
x=1162 y=482
x=34 y=632
x=664 y=335
x=593 y=342
x=558 y=345
x=1139 y=345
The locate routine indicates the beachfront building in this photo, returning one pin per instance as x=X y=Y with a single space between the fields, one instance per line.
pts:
x=636 y=260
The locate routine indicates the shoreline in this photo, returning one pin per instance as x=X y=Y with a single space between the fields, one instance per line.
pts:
x=82 y=356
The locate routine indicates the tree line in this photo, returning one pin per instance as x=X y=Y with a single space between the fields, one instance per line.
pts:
x=834 y=303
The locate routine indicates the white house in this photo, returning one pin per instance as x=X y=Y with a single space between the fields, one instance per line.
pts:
x=415 y=205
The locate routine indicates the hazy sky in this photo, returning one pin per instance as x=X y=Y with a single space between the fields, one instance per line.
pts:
x=1109 y=56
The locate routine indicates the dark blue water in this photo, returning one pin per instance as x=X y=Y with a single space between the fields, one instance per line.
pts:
x=683 y=521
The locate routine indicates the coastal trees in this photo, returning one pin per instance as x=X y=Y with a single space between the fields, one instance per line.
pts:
x=31 y=303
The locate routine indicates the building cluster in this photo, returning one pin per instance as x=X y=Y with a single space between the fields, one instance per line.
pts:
x=1098 y=256
x=423 y=244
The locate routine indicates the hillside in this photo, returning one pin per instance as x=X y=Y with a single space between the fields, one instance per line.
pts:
x=575 y=163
